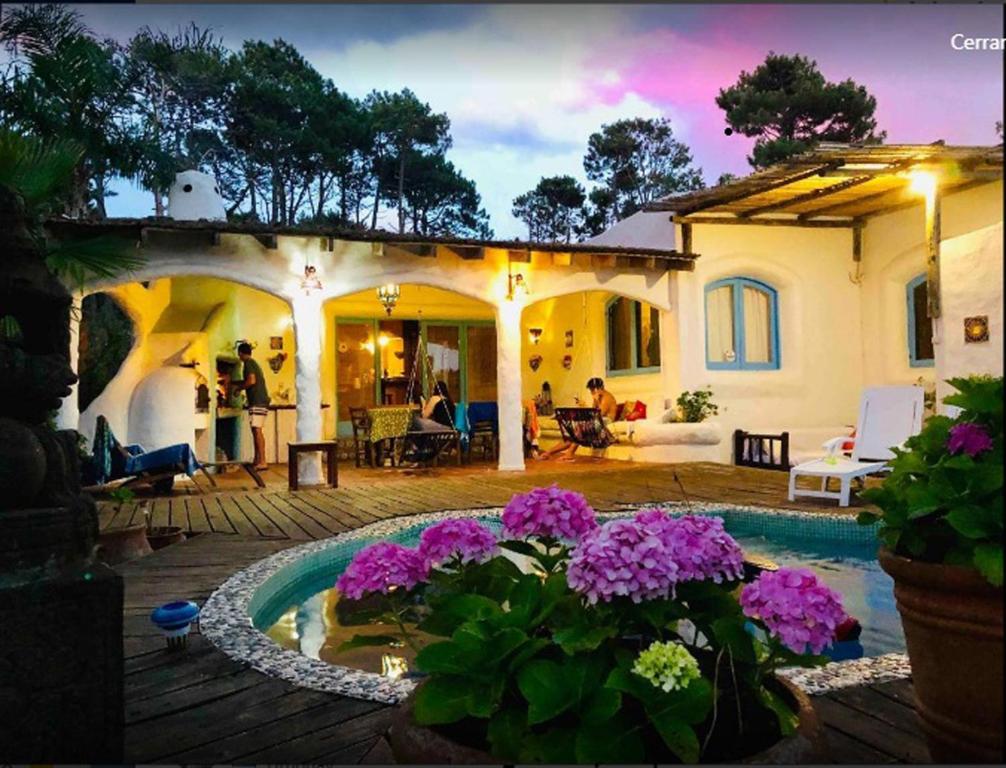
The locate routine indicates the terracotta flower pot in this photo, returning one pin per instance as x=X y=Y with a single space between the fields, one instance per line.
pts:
x=161 y=536
x=121 y=544
x=953 y=621
x=416 y=744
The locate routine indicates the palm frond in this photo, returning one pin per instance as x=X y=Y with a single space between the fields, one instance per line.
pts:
x=82 y=261
x=35 y=170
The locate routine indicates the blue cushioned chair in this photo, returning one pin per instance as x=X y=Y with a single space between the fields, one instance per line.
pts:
x=484 y=429
x=111 y=461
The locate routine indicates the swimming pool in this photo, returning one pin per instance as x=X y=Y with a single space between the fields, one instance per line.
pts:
x=280 y=615
x=302 y=615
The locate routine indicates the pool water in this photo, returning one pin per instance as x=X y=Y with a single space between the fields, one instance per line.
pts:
x=297 y=608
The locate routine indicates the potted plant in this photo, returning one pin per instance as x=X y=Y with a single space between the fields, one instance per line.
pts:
x=696 y=406
x=570 y=641
x=941 y=528
x=117 y=545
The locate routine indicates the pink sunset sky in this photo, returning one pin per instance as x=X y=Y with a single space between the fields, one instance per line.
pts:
x=524 y=86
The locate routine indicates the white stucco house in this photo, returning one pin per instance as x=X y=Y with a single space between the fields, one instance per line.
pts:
x=786 y=293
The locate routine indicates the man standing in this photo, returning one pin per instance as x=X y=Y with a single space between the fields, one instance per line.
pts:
x=258 y=401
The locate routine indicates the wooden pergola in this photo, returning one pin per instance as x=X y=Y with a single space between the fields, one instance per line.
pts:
x=844 y=186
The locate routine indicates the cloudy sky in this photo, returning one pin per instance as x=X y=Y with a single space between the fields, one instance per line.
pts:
x=524 y=86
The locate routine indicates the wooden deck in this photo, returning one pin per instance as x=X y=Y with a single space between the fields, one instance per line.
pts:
x=366 y=495
x=200 y=707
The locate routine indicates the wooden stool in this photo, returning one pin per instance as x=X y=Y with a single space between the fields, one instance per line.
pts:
x=327 y=447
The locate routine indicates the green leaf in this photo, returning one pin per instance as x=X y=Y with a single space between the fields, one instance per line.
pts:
x=554 y=746
x=544 y=684
x=601 y=706
x=867 y=518
x=506 y=733
x=971 y=521
x=730 y=632
x=619 y=742
x=582 y=637
x=690 y=705
x=444 y=657
x=527 y=652
x=361 y=641
x=521 y=548
x=784 y=713
x=442 y=699
x=679 y=737
x=451 y=612
x=989 y=562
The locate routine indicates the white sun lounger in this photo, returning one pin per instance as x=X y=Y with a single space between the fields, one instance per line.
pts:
x=888 y=416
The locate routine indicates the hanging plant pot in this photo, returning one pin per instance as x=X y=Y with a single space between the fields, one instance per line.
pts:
x=953 y=621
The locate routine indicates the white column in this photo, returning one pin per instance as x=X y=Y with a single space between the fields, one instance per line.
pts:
x=307 y=319
x=68 y=416
x=509 y=385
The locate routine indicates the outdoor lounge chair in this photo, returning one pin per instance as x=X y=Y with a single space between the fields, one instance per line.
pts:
x=112 y=461
x=888 y=416
x=584 y=426
x=426 y=446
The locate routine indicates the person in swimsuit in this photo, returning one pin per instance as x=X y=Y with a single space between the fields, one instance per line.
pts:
x=604 y=402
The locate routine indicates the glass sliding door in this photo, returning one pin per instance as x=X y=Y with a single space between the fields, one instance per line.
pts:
x=480 y=363
x=375 y=357
x=443 y=353
x=354 y=368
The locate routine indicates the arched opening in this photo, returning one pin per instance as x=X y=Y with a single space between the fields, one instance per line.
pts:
x=106 y=338
x=374 y=358
x=572 y=338
x=174 y=365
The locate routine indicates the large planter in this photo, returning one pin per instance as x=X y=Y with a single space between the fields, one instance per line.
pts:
x=953 y=621
x=418 y=745
x=118 y=545
x=164 y=535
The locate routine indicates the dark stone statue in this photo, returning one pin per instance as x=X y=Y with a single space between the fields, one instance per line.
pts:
x=61 y=677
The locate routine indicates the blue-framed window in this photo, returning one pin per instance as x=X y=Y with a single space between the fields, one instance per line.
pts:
x=742 y=325
x=633 y=337
x=920 y=329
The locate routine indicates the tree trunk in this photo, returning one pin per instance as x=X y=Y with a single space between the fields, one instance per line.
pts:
x=401 y=194
x=377 y=203
x=158 y=204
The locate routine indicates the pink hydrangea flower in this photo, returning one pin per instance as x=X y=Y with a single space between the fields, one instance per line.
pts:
x=563 y=515
x=969 y=438
x=699 y=545
x=796 y=607
x=467 y=538
x=382 y=567
x=621 y=559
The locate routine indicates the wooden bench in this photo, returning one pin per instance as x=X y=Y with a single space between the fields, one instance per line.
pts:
x=327 y=447
x=247 y=466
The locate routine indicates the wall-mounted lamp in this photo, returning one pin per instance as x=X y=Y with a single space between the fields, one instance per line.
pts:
x=310 y=282
x=388 y=295
x=534 y=334
x=922 y=182
x=516 y=286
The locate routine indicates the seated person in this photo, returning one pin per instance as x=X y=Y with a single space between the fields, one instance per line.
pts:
x=437 y=413
x=603 y=401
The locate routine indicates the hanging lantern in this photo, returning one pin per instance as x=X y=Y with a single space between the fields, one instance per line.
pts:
x=311 y=282
x=388 y=295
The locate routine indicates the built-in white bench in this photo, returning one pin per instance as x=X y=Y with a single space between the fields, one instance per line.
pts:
x=650 y=440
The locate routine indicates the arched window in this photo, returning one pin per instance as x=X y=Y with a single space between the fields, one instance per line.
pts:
x=633 y=337
x=920 y=329
x=742 y=325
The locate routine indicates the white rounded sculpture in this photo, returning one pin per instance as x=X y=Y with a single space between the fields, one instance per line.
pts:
x=162 y=408
x=195 y=195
